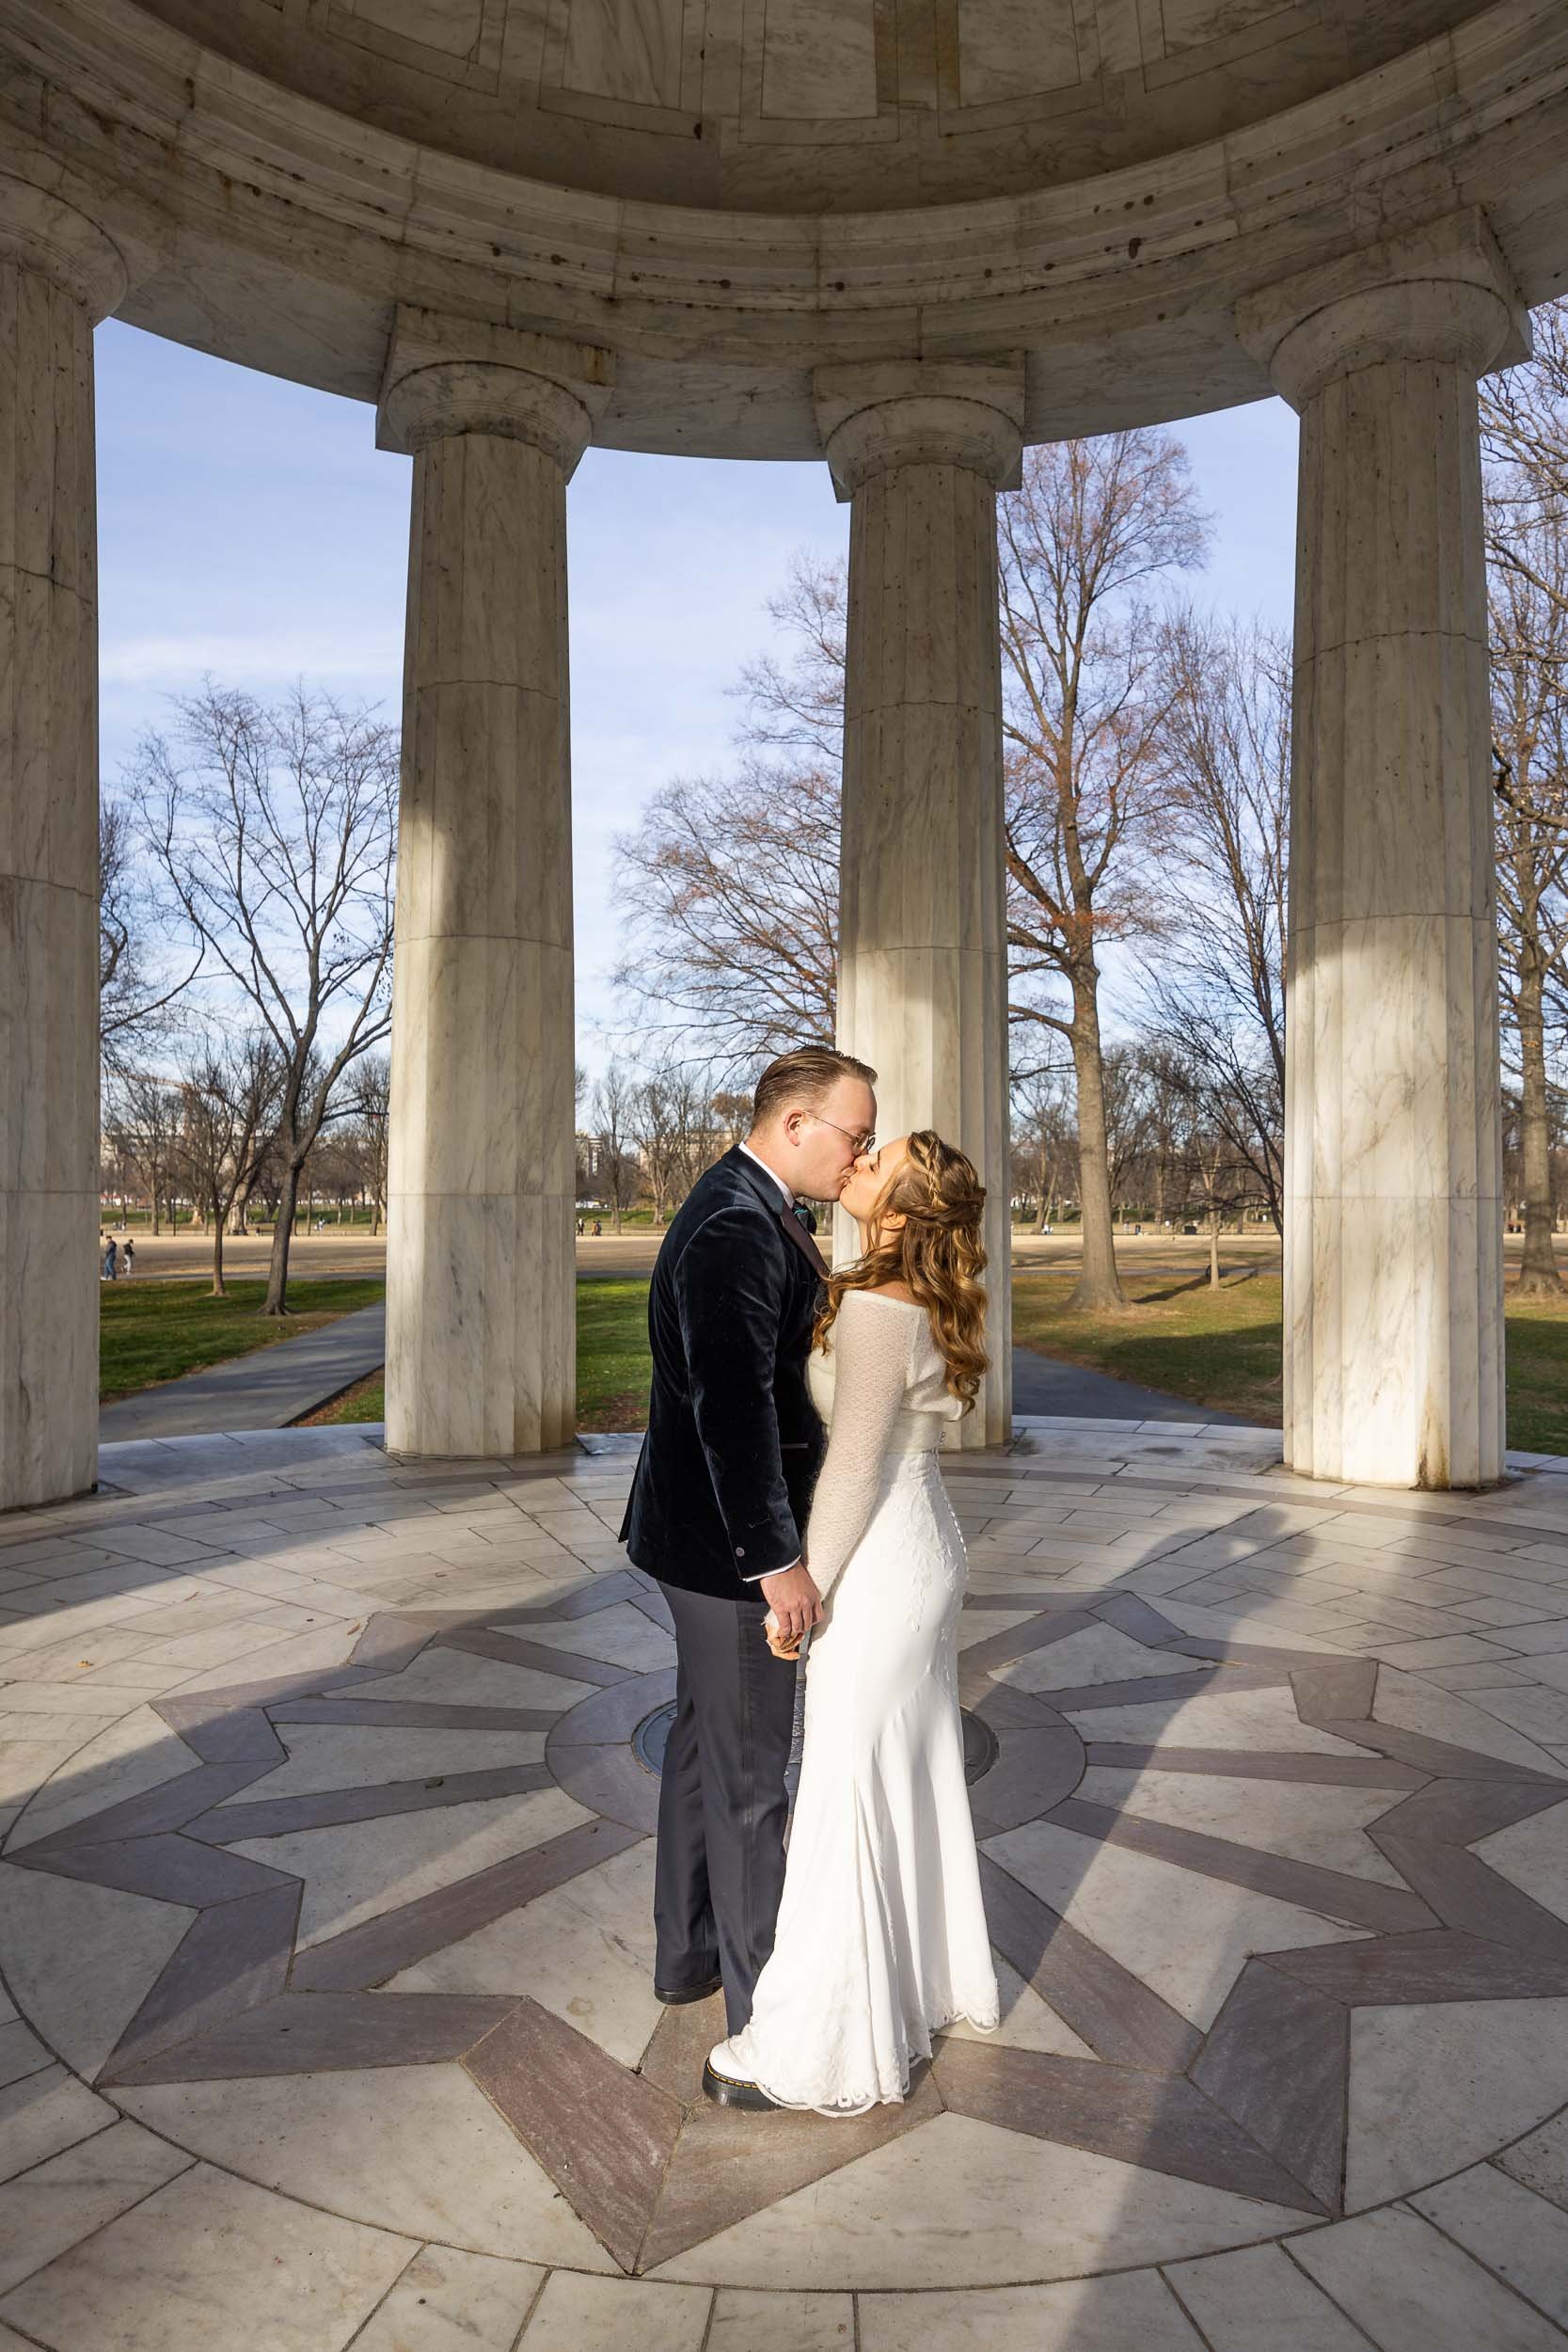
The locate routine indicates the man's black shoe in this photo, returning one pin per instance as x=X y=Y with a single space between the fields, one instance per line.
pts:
x=726 y=2092
x=675 y=1997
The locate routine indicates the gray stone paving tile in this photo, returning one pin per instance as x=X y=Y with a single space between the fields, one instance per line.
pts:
x=723 y=2169
x=67 y=2197
x=396 y=1939
x=231 y=1957
x=208 y=2260
x=448 y=2302
x=1104 y=2004
x=577 y=2314
x=1077 y=2316
x=1444 y=1965
x=1387 y=1910
x=1540 y=2160
x=748 y=2320
x=277 y=1817
x=1510 y=2228
x=603 y=2135
x=1413 y=2291
x=21 y=2053
x=44 y=2113
x=300 y=2033
x=1277 y=2061
x=1257 y=2301
x=1141 y=2118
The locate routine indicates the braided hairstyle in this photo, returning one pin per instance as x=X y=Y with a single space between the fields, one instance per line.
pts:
x=936 y=1250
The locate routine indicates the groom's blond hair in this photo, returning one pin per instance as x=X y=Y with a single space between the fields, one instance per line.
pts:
x=808 y=1075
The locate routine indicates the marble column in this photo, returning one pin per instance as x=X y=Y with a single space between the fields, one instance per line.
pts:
x=481 y=1298
x=59 y=275
x=1393 y=1243
x=920 y=450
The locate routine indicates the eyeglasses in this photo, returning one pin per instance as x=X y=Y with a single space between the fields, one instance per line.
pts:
x=862 y=1141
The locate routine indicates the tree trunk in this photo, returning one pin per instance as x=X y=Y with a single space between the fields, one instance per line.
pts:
x=1098 y=1284
x=1213 y=1253
x=218 y=1291
x=275 y=1301
x=1538 y=1274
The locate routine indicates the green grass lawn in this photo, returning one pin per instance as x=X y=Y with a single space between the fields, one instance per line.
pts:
x=1219 y=1348
x=612 y=1363
x=1222 y=1349
x=152 y=1332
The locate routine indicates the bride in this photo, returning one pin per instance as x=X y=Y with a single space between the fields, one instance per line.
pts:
x=881 y=1936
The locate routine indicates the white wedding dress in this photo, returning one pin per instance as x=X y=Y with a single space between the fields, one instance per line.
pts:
x=881 y=1935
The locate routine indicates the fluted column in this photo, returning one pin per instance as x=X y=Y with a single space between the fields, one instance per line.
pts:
x=481 y=1329
x=919 y=449
x=59 y=275
x=1393 y=1243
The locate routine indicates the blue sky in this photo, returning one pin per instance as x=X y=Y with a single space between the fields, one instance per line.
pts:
x=251 y=528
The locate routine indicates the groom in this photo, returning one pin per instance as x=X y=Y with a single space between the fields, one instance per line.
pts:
x=719 y=1504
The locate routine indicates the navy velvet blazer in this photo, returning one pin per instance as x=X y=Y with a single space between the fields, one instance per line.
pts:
x=733 y=1442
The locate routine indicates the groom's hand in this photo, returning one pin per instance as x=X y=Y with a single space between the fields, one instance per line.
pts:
x=795 y=1602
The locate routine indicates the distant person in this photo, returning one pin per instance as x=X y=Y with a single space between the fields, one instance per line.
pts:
x=129 y=1254
x=111 y=1260
x=579 y=1229
x=598 y=1229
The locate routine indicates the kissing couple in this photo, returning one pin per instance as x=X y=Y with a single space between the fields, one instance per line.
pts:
x=787 y=1487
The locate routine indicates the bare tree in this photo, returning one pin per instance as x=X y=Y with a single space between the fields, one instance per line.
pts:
x=1216 y=989
x=1085 y=702
x=229 y=1099
x=1530 y=735
x=616 y=1155
x=1524 y=422
x=654 y=1125
x=1045 y=1142
x=729 y=883
x=137 y=992
x=371 y=1098
x=143 y=1124
x=272 y=830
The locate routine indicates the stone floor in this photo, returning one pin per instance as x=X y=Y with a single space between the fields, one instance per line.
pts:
x=324 y=1922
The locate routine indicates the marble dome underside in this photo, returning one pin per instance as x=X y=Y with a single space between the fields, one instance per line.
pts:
x=810 y=105
x=279 y=175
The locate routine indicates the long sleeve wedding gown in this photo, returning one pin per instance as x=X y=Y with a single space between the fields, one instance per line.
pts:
x=881 y=1935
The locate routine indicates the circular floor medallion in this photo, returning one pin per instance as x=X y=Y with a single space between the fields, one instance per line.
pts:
x=650 y=1738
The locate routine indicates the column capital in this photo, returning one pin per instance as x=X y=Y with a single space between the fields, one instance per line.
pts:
x=447 y=375
x=45 y=234
x=1441 y=292
x=882 y=413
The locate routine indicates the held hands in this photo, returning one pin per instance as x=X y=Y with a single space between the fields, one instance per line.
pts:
x=795 y=1606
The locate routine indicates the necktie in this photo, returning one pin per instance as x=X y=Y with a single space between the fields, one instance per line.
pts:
x=803 y=1216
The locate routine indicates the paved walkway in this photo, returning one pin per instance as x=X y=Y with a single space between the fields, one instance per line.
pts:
x=266 y=1390
x=325 y=1897
x=280 y=1383
x=1045 y=1385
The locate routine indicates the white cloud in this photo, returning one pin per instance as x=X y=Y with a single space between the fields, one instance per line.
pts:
x=244 y=657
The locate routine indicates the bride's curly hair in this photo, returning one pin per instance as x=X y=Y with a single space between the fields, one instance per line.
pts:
x=936 y=1250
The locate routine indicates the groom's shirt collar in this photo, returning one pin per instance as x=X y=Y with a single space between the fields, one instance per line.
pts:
x=771 y=1173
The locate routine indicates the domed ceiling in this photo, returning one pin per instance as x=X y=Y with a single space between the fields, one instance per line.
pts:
x=810 y=105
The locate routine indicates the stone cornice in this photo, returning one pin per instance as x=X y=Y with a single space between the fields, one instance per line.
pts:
x=294 y=231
